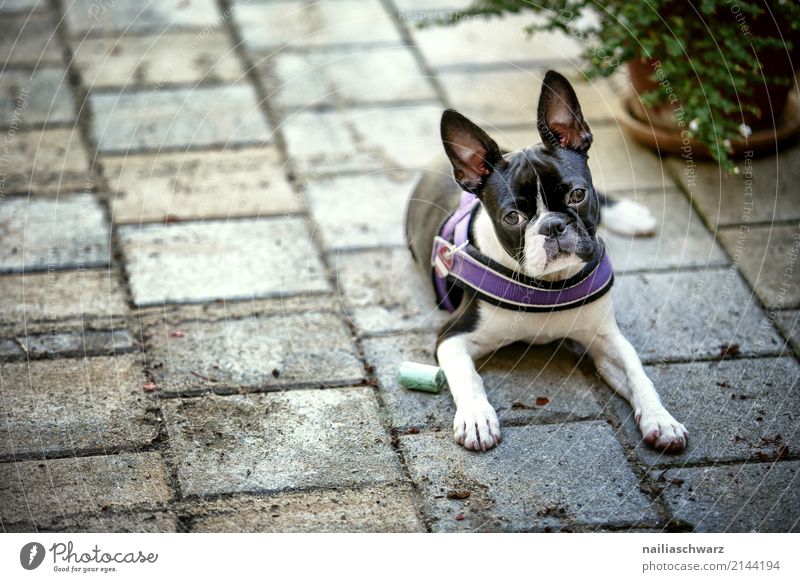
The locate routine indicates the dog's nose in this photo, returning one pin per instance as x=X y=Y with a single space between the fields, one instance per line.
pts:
x=553 y=225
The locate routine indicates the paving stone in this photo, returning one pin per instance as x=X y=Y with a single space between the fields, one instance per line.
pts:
x=382 y=292
x=52 y=406
x=101 y=522
x=481 y=41
x=304 y=24
x=540 y=477
x=35 y=492
x=201 y=116
x=754 y=403
x=58 y=295
x=763 y=191
x=43 y=96
x=523 y=383
x=312 y=349
x=767 y=257
x=510 y=97
x=49 y=161
x=59 y=344
x=185 y=186
x=789 y=324
x=268 y=442
x=90 y=16
x=29 y=40
x=736 y=498
x=367 y=509
x=22 y=6
x=421 y=7
x=133 y=522
x=617 y=163
x=157 y=60
x=691 y=315
x=32 y=242
x=681 y=240
x=361 y=211
x=345 y=77
x=363 y=139
x=242 y=259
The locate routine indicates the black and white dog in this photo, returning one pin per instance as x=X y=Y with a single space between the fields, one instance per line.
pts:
x=527 y=265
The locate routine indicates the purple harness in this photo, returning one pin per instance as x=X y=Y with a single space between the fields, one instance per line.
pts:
x=456 y=262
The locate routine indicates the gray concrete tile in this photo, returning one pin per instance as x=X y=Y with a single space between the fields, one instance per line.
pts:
x=361 y=211
x=366 y=509
x=185 y=186
x=271 y=25
x=422 y=6
x=691 y=315
x=346 y=77
x=36 y=492
x=524 y=384
x=65 y=405
x=157 y=60
x=735 y=498
x=30 y=40
x=104 y=522
x=49 y=161
x=548 y=476
x=266 y=352
x=304 y=438
x=509 y=97
x=680 y=241
x=242 y=259
x=35 y=98
x=92 y=17
x=788 y=323
x=482 y=41
x=363 y=139
x=382 y=292
x=22 y=6
x=763 y=191
x=132 y=121
x=767 y=257
x=60 y=344
x=754 y=403
x=59 y=295
x=43 y=234
x=617 y=163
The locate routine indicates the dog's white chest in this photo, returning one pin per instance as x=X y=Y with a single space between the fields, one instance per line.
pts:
x=542 y=328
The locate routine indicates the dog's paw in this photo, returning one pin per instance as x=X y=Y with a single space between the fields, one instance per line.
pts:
x=662 y=432
x=629 y=218
x=476 y=426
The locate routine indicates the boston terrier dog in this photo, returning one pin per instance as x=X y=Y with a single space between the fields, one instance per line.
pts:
x=519 y=259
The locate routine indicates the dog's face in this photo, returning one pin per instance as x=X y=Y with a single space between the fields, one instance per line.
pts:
x=540 y=200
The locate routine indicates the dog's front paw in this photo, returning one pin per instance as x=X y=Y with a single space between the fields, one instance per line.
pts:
x=661 y=431
x=476 y=426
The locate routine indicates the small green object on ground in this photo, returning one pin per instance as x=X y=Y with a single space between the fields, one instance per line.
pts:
x=421 y=377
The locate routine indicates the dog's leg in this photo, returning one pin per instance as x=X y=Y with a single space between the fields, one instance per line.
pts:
x=619 y=365
x=475 y=425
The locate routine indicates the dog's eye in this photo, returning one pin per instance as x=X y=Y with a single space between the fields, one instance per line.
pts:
x=576 y=196
x=514 y=218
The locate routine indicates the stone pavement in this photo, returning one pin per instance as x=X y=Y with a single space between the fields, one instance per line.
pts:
x=204 y=289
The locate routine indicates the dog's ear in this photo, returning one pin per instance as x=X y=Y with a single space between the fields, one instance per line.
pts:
x=560 y=121
x=473 y=154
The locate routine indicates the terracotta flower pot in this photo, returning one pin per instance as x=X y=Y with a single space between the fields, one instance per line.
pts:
x=778 y=123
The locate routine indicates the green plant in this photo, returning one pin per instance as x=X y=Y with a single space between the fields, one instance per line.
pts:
x=712 y=56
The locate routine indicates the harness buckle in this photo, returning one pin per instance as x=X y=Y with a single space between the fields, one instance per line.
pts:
x=443 y=256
